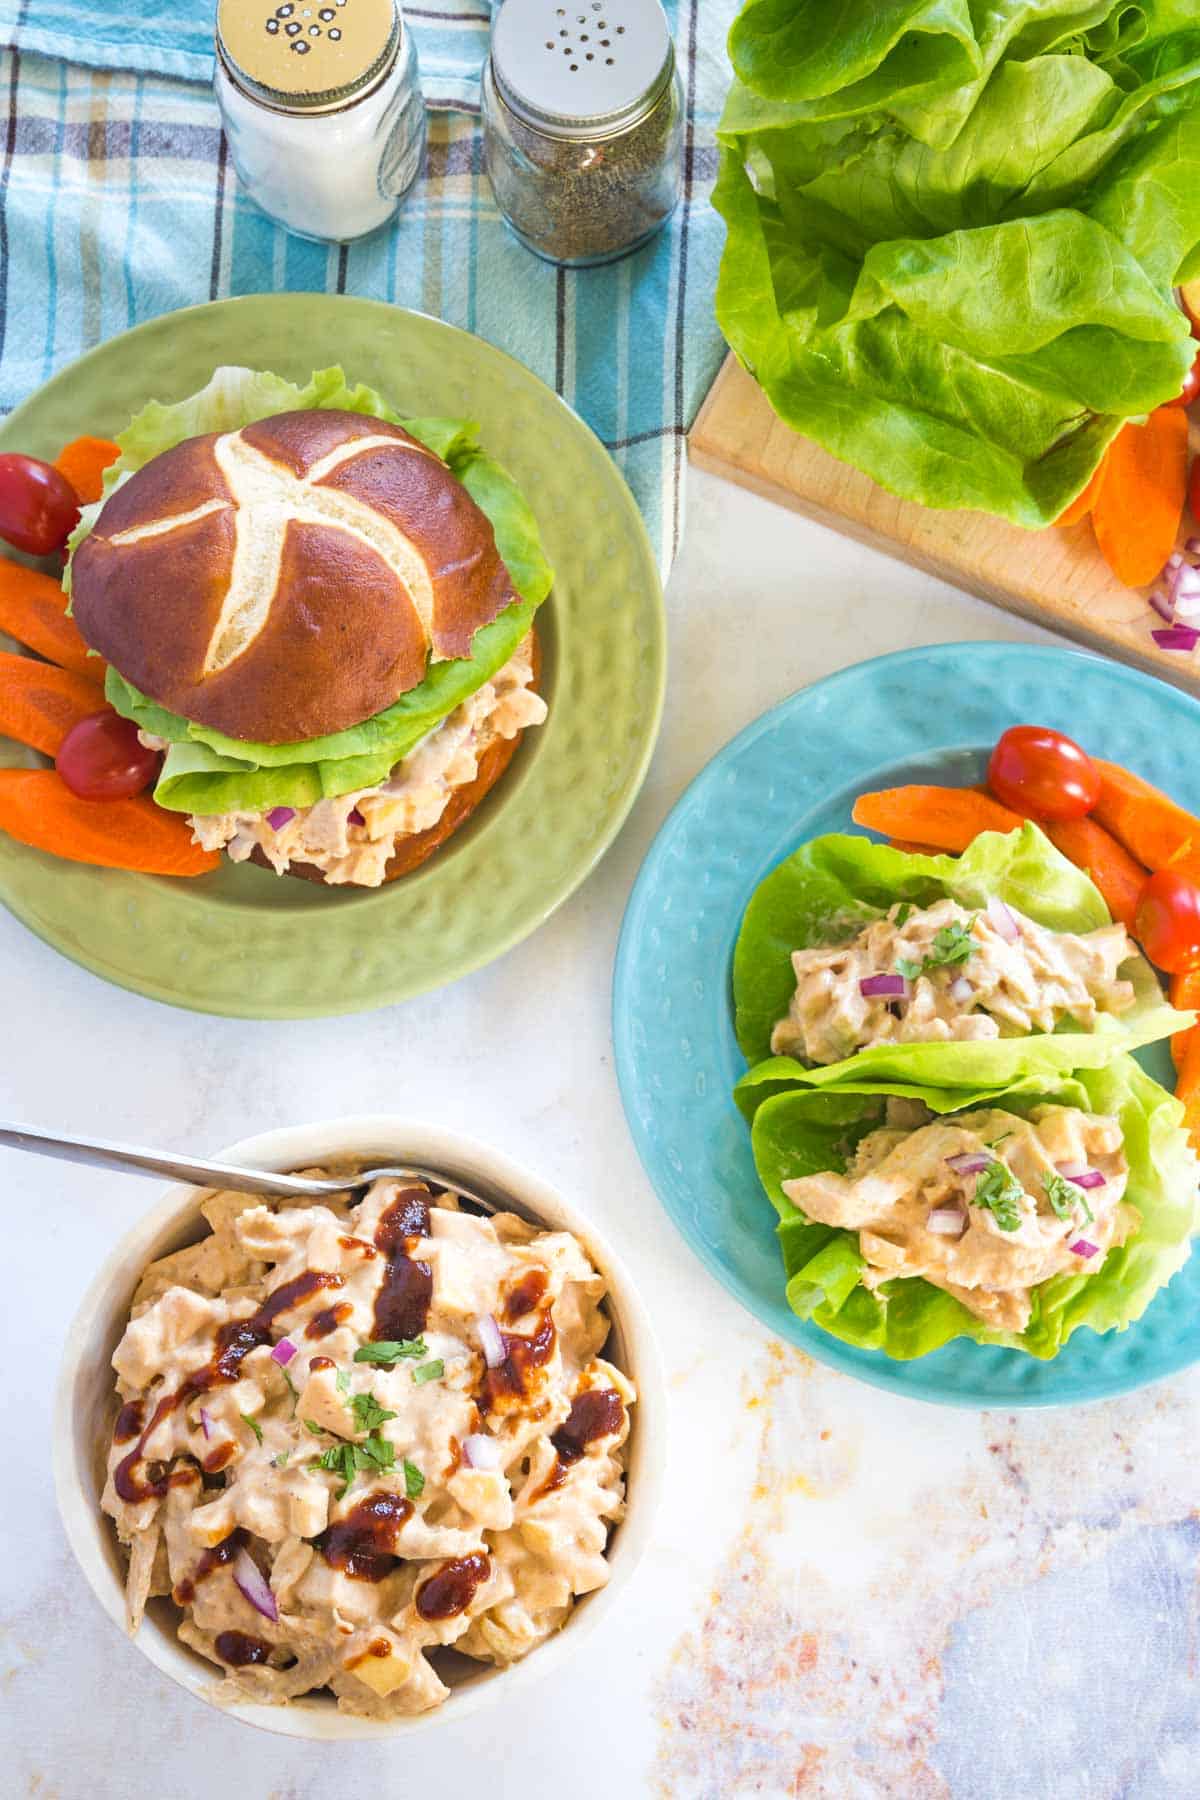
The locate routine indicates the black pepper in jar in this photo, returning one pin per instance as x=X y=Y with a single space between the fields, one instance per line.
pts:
x=583 y=125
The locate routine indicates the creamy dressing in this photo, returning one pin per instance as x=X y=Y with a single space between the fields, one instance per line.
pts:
x=900 y=1179
x=1001 y=988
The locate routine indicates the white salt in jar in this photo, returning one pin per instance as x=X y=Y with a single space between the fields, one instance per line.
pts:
x=321 y=103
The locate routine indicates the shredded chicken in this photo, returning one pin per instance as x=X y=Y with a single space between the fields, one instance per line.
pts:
x=307 y=1402
x=965 y=980
x=989 y=1236
x=355 y=850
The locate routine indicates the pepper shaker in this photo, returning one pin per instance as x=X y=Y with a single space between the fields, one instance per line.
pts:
x=582 y=112
x=321 y=103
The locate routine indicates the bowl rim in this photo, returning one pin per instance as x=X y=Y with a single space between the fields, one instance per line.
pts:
x=105 y=1304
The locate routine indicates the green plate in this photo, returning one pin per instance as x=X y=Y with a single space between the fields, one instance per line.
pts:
x=249 y=944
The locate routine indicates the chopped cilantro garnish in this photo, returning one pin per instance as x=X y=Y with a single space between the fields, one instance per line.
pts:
x=414 y=1481
x=280 y=1461
x=341 y=1381
x=348 y=1460
x=292 y=1389
x=317 y=1430
x=998 y=1189
x=909 y=969
x=952 y=944
x=429 y=1371
x=368 y=1413
x=375 y=1452
x=254 y=1425
x=390 y=1350
x=903 y=913
x=1064 y=1197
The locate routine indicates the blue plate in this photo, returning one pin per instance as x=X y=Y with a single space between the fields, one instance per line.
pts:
x=921 y=715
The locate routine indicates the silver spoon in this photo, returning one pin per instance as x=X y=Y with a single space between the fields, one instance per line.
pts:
x=129 y=1157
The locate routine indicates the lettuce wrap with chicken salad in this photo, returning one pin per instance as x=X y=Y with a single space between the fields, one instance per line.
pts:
x=802 y=1132
x=829 y=889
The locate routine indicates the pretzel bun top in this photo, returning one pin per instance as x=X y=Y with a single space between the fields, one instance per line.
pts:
x=290 y=579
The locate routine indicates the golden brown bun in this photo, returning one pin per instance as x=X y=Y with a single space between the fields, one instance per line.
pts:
x=353 y=566
x=412 y=851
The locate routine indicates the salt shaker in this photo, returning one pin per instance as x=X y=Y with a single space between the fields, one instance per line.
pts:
x=583 y=125
x=322 y=107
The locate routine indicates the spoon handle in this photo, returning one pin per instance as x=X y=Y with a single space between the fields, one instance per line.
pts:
x=128 y=1157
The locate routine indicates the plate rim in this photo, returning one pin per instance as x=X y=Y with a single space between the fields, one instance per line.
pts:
x=887 y=1373
x=621 y=803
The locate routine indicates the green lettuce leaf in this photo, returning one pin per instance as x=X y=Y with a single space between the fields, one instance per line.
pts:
x=800 y=1133
x=205 y=771
x=953 y=233
x=828 y=889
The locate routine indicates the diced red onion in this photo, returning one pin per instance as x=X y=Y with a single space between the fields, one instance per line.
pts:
x=283 y=1351
x=481 y=1451
x=205 y=1421
x=968 y=1162
x=1004 y=919
x=1081 y=1247
x=1193 y=546
x=1079 y=1175
x=1187 y=607
x=1174 y=561
x=279 y=816
x=1163 y=605
x=880 y=987
x=1176 y=637
x=254 y=1584
x=961 y=990
x=354 y=817
x=946 y=1221
x=491 y=1341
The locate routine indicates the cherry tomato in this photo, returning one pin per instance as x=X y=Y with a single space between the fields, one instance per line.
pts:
x=1168 y=922
x=101 y=758
x=1190 y=388
x=38 y=507
x=1038 y=771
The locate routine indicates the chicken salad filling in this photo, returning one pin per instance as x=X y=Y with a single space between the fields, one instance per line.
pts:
x=352 y=837
x=352 y=1434
x=939 y=973
x=983 y=1204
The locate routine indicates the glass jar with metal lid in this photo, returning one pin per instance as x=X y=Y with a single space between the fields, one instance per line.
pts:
x=583 y=125
x=322 y=106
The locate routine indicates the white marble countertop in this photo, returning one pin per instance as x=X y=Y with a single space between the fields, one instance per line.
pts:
x=849 y=1595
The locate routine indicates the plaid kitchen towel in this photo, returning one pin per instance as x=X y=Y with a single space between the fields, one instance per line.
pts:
x=118 y=202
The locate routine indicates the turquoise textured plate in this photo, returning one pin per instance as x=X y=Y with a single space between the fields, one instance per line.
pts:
x=921 y=715
x=250 y=944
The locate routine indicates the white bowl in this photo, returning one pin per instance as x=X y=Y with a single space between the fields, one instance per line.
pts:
x=86 y=1386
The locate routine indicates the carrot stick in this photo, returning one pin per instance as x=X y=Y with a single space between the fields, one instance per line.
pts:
x=1083 y=503
x=39 y=809
x=1187 y=1087
x=39 y=703
x=948 y=818
x=1139 y=504
x=83 y=462
x=33 y=609
x=1152 y=828
x=1185 y=996
x=1119 y=878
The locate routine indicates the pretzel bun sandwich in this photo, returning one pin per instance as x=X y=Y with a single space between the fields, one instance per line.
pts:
x=322 y=616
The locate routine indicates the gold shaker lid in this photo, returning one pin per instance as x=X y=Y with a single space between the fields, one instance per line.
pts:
x=298 y=54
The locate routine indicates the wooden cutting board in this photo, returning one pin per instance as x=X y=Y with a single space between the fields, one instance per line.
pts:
x=1056 y=577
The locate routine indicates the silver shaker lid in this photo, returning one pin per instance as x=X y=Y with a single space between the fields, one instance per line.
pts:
x=581 y=68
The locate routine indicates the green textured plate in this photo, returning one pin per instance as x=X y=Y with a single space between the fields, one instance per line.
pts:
x=249 y=944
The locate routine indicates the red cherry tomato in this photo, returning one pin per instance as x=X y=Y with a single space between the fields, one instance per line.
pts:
x=1168 y=922
x=38 y=507
x=101 y=758
x=1190 y=388
x=1038 y=771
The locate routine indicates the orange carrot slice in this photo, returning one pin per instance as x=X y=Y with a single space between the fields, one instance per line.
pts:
x=1092 y=849
x=1185 y=995
x=1187 y=1087
x=39 y=703
x=83 y=462
x=947 y=818
x=39 y=809
x=1083 y=503
x=1139 y=504
x=33 y=609
x=1160 y=834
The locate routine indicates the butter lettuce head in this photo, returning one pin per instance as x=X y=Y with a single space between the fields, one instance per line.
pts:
x=830 y=888
x=205 y=771
x=953 y=232
x=802 y=1132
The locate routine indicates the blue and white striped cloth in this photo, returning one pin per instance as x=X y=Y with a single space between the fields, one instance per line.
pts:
x=118 y=202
